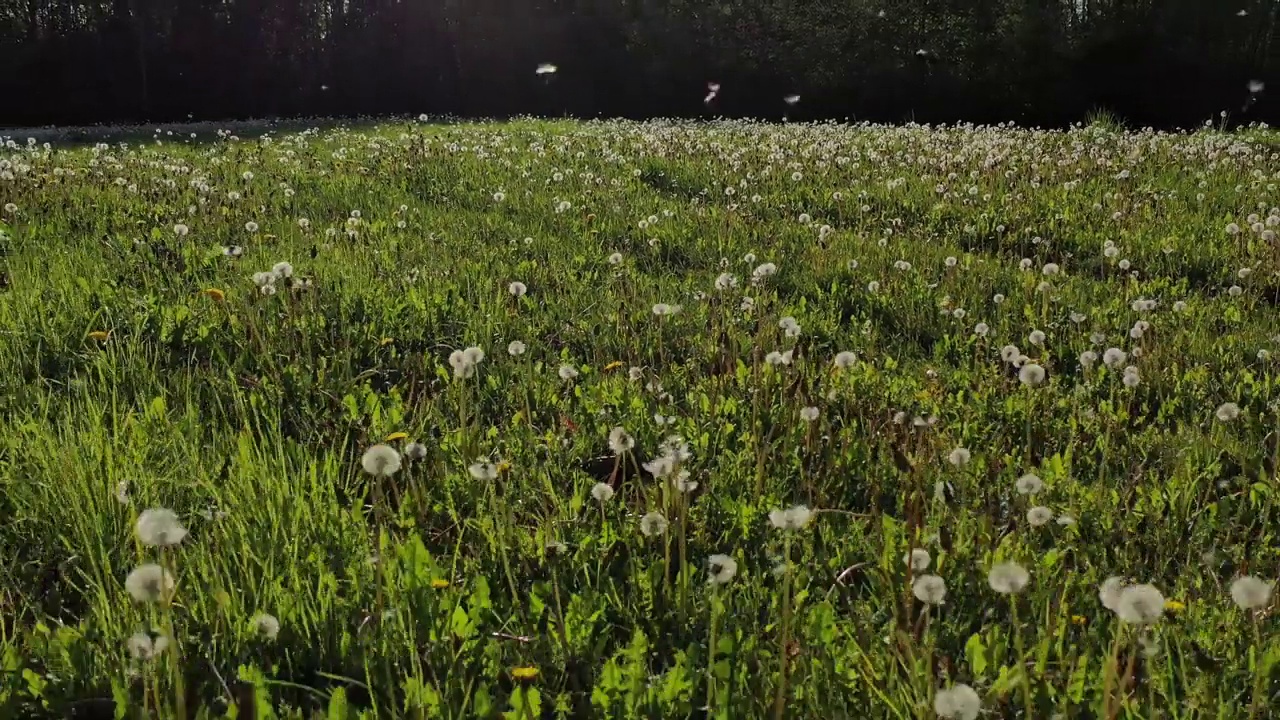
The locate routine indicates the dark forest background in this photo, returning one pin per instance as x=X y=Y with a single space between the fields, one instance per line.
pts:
x=1048 y=62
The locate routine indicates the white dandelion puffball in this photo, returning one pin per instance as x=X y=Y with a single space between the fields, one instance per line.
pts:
x=380 y=460
x=845 y=360
x=1029 y=484
x=1010 y=353
x=929 y=589
x=1008 y=578
x=483 y=471
x=159 y=527
x=721 y=569
x=809 y=414
x=149 y=583
x=1031 y=375
x=568 y=372
x=1088 y=358
x=1251 y=593
x=959 y=457
x=546 y=69
x=793 y=518
x=1139 y=605
x=181 y=230
x=653 y=524
x=517 y=289
x=266 y=625
x=1036 y=338
x=615 y=259
x=918 y=559
x=958 y=702
x=1109 y=592
x=620 y=441
x=415 y=451
x=1039 y=516
x=516 y=348
x=143 y=648
x=981 y=329
x=462 y=366
x=791 y=99
x=1227 y=412
x=602 y=492
x=1114 y=358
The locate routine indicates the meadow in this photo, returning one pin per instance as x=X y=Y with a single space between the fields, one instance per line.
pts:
x=549 y=419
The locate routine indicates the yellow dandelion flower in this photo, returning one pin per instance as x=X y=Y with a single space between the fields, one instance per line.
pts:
x=385 y=342
x=397 y=436
x=503 y=466
x=613 y=365
x=1174 y=606
x=1079 y=620
x=215 y=294
x=440 y=583
x=99 y=335
x=525 y=674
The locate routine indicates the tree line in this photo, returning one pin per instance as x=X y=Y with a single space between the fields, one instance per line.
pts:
x=1046 y=62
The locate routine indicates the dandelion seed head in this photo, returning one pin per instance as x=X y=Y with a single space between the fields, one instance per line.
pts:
x=159 y=527
x=929 y=589
x=380 y=460
x=149 y=583
x=1139 y=605
x=602 y=492
x=1251 y=593
x=1008 y=578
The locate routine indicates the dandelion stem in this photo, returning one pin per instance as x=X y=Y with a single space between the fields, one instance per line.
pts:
x=784 y=638
x=711 y=652
x=1022 y=655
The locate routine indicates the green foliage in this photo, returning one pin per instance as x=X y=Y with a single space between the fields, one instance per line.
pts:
x=141 y=366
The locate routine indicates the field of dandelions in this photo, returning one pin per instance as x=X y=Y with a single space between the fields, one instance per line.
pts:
x=657 y=420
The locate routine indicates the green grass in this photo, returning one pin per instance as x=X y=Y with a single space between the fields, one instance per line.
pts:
x=422 y=593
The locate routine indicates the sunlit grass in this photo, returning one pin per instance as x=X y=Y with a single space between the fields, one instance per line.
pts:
x=642 y=420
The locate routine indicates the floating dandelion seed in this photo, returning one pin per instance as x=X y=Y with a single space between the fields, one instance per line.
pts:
x=929 y=589
x=1251 y=593
x=958 y=702
x=546 y=69
x=791 y=99
x=149 y=583
x=602 y=492
x=653 y=524
x=918 y=559
x=159 y=527
x=1256 y=86
x=721 y=569
x=1139 y=605
x=1008 y=578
